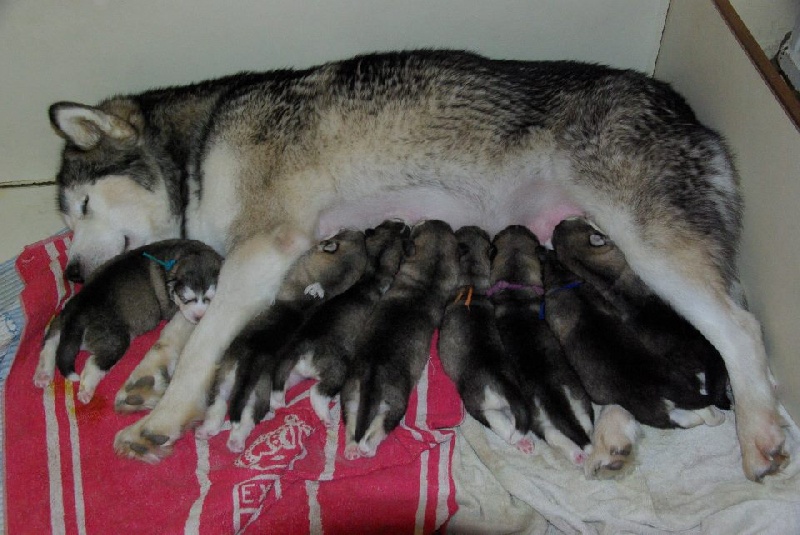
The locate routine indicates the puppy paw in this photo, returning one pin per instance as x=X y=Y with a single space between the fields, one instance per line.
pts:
x=141 y=391
x=526 y=445
x=210 y=427
x=42 y=378
x=139 y=442
x=351 y=452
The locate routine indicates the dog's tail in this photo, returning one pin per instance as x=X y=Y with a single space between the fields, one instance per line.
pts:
x=69 y=345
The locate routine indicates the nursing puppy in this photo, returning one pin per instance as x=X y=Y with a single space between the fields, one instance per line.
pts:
x=126 y=297
x=561 y=411
x=391 y=353
x=322 y=348
x=673 y=341
x=472 y=352
x=244 y=373
x=250 y=161
x=614 y=365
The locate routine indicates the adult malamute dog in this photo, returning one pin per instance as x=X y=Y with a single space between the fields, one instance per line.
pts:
x=256 y=163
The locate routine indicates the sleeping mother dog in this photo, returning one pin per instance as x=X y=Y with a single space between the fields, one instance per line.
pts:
x=258 y=164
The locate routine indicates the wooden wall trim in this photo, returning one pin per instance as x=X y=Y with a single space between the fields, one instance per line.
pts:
x=785 y=94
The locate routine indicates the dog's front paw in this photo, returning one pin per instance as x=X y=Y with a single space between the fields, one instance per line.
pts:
x=142 y=390
x=42 y=378
x=762 y=441
x=139 y=442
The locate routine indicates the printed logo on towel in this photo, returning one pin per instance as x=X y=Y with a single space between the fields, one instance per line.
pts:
x=249 y=497
x=278 y=449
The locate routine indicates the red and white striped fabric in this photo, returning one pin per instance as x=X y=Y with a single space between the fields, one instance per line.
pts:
x=62 y=475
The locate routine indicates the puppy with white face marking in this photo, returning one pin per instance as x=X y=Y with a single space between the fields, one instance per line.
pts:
x=126 y=297
x=249 y=162
x=322 y=348
x=391 y=352
x=560 y=410
x=472 y=352
x=245 y=371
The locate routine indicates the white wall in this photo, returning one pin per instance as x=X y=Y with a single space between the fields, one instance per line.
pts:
x=703 y=60
x=85 y=50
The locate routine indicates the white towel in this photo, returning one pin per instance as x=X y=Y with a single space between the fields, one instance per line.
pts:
x=687 y=481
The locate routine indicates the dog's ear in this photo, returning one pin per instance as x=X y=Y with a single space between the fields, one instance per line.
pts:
x=86 y=126
x=329 y=246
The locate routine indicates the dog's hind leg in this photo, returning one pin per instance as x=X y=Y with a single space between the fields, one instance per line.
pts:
x=677 y=264
x=148 y=381
x=248 y=282
x=45 y=370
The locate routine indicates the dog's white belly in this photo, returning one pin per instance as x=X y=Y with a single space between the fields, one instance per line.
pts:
x=537 y=205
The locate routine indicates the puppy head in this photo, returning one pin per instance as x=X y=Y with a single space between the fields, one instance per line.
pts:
x=111 y=186
x=515 y=257
x=475 y=250
x=331 y=267
x=586 y=251
x=192 y=282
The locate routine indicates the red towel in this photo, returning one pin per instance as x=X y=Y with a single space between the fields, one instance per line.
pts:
x=62 y=474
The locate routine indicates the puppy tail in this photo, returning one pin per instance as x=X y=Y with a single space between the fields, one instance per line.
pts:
x=368 y=400
x=68 y=346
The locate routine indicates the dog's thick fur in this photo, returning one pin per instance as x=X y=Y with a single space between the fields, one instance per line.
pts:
x=254 y=162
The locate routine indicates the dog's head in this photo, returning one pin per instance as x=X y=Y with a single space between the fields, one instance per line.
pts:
x=192 y=282
x=586 y=251
x=113 y=190
x=515 y=257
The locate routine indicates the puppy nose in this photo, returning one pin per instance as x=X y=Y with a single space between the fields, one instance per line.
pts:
x=73 y=272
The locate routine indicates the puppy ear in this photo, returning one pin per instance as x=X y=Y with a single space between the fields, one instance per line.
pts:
x=329 y=246
x=86 y=126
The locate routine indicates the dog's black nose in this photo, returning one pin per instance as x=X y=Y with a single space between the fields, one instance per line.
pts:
x=73 y=272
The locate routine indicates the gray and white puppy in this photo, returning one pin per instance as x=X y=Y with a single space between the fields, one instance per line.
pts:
x=472 y=351
x=688 y=372
x=245 y=372
x=129 y=295
x=322 y=348
x=391 y=353
x=561 y=411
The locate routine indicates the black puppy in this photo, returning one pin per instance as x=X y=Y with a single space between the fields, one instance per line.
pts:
x=561 y=411
x=129 y=295
x=323 y=347
x=628 y=347
x=472 y=352
x=245 y=370
x=391 y=353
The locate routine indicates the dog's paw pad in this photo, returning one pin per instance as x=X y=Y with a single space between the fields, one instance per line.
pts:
x=351 y=452
x=42 y=379
x=140 y=393
x=764 y=454
x=526 y=446
x=134 y=442
x=615 y=462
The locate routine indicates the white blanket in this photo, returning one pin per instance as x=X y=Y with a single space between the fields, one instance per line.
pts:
x=687 y=481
